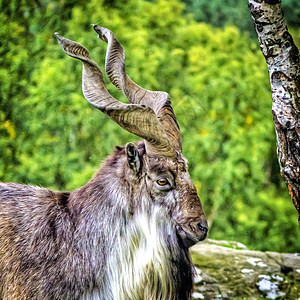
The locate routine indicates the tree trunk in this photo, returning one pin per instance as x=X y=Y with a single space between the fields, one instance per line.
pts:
x=282 y=57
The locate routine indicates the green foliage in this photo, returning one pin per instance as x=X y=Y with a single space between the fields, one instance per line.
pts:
x=221 y=12
x=219 y=86
x=235 y=12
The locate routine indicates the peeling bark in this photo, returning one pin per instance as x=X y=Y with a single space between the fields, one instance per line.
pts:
x=282 y=57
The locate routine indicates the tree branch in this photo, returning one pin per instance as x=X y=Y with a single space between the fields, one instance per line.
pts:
x=282 y=57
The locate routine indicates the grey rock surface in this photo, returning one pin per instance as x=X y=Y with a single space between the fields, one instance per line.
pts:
x=228 y=270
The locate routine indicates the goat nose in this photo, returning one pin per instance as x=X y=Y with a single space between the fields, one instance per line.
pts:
x=203 y=227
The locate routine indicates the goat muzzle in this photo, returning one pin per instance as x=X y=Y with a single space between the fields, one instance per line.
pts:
x=191 y=237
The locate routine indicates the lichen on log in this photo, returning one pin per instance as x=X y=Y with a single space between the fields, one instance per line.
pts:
x=229 y=270
x=282 y=57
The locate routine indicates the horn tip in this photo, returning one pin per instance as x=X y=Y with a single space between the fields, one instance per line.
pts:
x=58 y=37
x=102 y=32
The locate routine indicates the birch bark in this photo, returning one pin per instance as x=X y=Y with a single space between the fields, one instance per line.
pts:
x=282 y=57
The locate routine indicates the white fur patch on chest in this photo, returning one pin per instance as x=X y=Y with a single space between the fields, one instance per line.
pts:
x=140 y=263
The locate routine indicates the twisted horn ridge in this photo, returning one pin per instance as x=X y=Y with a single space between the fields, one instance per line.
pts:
x=159 y=101
x=138 y=119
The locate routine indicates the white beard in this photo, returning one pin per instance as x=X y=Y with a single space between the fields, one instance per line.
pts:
x=140 y=262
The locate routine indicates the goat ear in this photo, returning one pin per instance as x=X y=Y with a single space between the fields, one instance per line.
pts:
x=133 y=157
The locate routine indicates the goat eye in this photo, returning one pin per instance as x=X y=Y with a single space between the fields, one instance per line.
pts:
x=162 y=181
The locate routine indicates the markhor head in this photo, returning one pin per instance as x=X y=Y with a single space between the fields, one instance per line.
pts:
x=161 y=167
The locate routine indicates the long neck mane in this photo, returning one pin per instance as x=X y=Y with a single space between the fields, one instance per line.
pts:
x=146 y=261
x=143 y=256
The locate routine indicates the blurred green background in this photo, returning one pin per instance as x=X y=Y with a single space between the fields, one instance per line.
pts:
x=204 y=53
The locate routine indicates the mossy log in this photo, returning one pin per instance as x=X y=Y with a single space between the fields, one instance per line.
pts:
x=228 y=270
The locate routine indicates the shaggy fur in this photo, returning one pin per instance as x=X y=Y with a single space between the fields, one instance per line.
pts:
x=118 y=237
